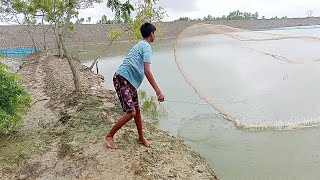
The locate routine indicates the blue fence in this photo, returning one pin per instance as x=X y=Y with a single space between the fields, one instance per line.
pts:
x=18 y=52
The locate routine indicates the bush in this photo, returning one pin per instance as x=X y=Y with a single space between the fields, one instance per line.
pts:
x=14 y=100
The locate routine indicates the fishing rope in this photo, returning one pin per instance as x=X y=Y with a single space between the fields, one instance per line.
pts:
x=187 y=102
x=192 y=84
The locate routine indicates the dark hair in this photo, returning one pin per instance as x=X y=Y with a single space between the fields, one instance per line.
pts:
x=146 y=29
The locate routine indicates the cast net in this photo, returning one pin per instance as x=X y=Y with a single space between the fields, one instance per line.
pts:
x=256 y=79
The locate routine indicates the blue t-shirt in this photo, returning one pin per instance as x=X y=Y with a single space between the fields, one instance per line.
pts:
x=132 y=67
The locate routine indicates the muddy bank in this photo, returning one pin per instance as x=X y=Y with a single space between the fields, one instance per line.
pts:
x=62 y=134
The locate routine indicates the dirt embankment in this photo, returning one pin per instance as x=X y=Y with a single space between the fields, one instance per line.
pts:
x=92 y=34
x=62 y=134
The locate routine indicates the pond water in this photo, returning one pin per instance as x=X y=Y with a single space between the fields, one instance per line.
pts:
x=272 y=98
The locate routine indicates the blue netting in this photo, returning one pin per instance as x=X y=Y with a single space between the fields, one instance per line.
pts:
x=18 y=52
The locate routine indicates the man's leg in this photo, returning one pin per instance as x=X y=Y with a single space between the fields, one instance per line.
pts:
x=123 y=89
x=109 y=138
x=138 y=122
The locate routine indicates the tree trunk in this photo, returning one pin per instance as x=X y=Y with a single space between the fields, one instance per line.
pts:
x=62 y=42
x=72 y=66
x=44 y=37
x=44 y=40
x=29 y=30
x=113 y=38
x=45 y=32
x=56 y=34
x=96 y=59
x=34 y=44
x=56 y=31
x=97 y=68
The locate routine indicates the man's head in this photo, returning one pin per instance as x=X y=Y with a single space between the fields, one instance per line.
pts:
x=148 y=31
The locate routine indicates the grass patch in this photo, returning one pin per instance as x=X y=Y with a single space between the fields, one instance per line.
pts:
x=87 y=123
x=20 y=146
x=2 y=56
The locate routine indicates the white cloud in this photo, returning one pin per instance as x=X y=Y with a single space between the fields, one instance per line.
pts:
x=201 y=8
x=179 y=5
x=96 y=12
x=270 y=8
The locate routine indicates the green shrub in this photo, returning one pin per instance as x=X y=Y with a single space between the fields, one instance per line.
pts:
x=14 y=100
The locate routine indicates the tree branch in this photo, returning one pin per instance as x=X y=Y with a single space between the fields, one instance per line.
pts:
x=112 y=40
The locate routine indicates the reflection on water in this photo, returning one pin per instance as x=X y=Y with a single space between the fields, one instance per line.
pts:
x=150 y=107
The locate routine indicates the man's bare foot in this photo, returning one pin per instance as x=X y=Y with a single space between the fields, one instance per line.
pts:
x=144 y=142
x=110 y=142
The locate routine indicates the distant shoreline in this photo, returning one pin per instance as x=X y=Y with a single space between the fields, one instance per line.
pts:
x=289 y=27
x=16 y=36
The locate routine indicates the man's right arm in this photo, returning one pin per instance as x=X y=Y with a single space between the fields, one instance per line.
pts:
x=148 y=73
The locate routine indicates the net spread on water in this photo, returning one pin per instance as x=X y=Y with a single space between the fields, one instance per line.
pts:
x=256 y=79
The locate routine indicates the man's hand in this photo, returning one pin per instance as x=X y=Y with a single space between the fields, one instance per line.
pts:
x=160 y=96
x=147 y=72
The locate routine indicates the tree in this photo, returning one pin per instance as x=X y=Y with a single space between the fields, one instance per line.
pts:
x=88 y=20
x=122 y=10
x=208 y=18
x=80 y=21
x=256 y=15
x=309 y=13
x=14 y=100
x=183 y=19
x=238 y=15
x=235 y=15
x=22 y=12
x=146 y=11
x=72 y=7
x=59 y=13
x=105 y=20
x=28 y=12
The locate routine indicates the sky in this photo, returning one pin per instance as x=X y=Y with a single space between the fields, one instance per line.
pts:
x=200 y=8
